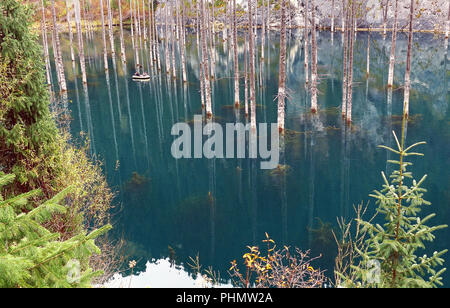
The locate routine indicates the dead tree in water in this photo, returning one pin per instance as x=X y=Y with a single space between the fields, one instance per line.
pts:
x=282 y=70
x=69 y=25
x=392 y=56
x=236 y=59
x=110 y=27
x=45 y=44
x=408 y=63
x=205 y=61
x=58 y=53
x=305 y=40
x=105 y=50
x=332 y=15
x=251 y=48
x=183 y=44
x=122 y=43
x=385 y=7
x=80 y=41
x=350 y=63
x=345 y=61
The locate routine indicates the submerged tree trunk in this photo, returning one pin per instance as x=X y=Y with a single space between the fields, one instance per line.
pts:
x=332 y=15
x=392 y=56
x=314 y=76
x=385 y=8
x=282 y=70
x=80 y=41
x=345 y=62
x=69 y=25
x=368 y=56
x=252 y=67
x=166 y=36
x=236 y=59
x=246 y=75
x=183 y=45
x=110 y=27
x=408 y=63
x=205 y=64
x=45 y=44
x=105 y=50
x=350 y=64
x=263 y=30
x=57 y=52
x=447 y=29
x=305 y=40
x=122 y=43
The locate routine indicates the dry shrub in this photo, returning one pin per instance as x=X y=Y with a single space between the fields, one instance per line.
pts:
x=284 y=268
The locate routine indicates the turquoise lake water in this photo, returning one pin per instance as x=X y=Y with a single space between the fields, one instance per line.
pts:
x=168 y=208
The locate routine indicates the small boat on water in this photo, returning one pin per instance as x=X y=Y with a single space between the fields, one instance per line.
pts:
x=141 y=77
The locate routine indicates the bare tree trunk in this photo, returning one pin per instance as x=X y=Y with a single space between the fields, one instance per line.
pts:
x=110 y=27
x=173 y=34
x=45 y=44
x=343 y=16
x=69 y=25
x=144 y=20
x=345 y=61
x=236 y=59
x=332 y=15
x=392 y=56
x=166 y=37
x=183 y=44
x=306 y=39
x=282 y=70
x=80 y=40
x=252 y=68
x=368 y=56
x=385 y=9
x=447 y=29
x=313 y=60
x=57 y=52
x=408 y=63
x=350 y=67
x=205 y=61
x=122 y=43
x=105 y=50
x=156 y=38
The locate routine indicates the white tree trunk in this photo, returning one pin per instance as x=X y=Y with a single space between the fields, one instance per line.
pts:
x=205 y=61
x=105 y=50
x=313 y=60
x=69 y=25
x=251 y=48
x=236 y=59
x=80 y=41
x=392 y=56
x=282 y=70
x=345 y=61
x=122 y=43
x=305 y=40
x=350 y=66
x=57 y=52
x=110 y=27
x=45 y=44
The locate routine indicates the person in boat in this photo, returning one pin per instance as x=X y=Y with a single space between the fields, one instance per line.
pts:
x=137 y=74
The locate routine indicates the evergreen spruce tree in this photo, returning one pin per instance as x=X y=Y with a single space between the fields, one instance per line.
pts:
x=389 y=255
x=31 y=255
